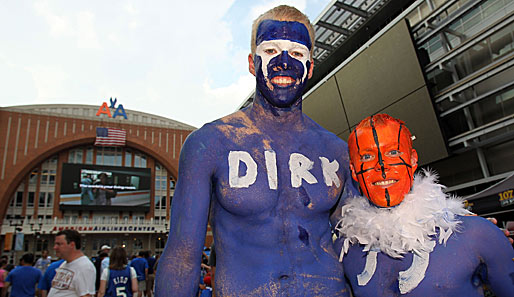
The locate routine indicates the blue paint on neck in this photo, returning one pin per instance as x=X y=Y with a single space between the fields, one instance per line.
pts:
x=283 y=30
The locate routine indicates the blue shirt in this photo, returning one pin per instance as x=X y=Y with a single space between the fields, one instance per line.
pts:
x=139 y=265
x=151 y=263
x=23 y=281
x=46 y=281
x=119 y=283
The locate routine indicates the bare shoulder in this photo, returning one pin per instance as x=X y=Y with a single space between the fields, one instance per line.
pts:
x=211 y=131
x=475 y=227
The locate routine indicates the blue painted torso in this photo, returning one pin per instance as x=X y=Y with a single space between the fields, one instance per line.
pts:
x=479 y=254
x=275 y=242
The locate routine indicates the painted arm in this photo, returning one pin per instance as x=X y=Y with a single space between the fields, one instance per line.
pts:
x=497 y=254
x=178 y=271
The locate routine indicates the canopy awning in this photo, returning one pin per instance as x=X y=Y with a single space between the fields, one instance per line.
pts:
x=499 y=198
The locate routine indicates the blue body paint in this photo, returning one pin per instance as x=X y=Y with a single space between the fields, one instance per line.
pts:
x=281 y=96
x=455 y=269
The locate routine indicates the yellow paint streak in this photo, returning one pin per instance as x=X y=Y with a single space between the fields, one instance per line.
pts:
x=237 y=127
x=270 y=289
x=266 y=143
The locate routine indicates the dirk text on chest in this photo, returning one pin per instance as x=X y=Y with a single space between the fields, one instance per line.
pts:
x=299 y=166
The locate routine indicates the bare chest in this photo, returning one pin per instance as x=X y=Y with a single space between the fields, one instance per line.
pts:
x=297 y=178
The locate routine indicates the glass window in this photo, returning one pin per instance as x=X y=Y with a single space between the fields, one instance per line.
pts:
x=51 y=177
x=19 y=199
x=138 y=244
x=44 y=177
x=30 y=202
x=71 y=156
x=99 y=156
x=128 y=158
x=137 y=160
x=49 y=200
x=33 y=177
x=118 y=158
x=78 y=156
x=42 y=199
x=89 y=155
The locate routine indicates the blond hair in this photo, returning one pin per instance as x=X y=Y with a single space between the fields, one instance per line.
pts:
x=283 y=13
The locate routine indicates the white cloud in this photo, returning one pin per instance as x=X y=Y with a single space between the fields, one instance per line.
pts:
x=86 y=33
x=232 y=94
x=50 y=82
x=262 y=7
x=60 y=26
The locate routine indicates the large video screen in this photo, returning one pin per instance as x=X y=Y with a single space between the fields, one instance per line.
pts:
x=104 y=187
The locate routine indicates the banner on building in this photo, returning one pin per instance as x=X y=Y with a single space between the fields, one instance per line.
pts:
x=8 y=241
x=18 y=241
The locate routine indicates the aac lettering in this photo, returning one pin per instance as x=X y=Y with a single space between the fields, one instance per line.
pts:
x=105 y=109
x=299 y=166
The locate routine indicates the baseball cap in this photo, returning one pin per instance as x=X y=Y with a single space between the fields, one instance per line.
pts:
x=105 y=247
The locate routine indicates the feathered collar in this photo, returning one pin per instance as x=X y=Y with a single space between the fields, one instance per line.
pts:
x=408 y=227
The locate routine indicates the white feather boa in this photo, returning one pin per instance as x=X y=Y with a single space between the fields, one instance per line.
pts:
x=408 y=227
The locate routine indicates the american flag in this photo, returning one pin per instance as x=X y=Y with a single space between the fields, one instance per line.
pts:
x=110 y=137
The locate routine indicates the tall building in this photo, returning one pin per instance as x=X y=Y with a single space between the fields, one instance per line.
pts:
x=51 y=177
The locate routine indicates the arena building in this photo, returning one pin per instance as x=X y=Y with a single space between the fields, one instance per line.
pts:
x=48 y=158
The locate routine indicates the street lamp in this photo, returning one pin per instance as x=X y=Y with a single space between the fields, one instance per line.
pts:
x=17 y=228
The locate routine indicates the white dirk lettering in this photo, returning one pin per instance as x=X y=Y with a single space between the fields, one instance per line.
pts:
x=330 y=172
x=271 y=166
x=299 y=165
x=236 y=181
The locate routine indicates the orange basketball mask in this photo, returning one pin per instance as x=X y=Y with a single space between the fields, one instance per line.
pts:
x=382 y=159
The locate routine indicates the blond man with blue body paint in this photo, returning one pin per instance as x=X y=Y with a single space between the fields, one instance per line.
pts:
x=269 y=178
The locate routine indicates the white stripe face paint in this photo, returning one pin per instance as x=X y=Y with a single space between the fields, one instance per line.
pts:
x=236 y=181
x=268 y=50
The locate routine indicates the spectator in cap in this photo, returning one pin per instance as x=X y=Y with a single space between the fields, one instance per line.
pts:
x=105 y=262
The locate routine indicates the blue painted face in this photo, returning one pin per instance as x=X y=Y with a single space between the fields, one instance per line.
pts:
x=282 y=61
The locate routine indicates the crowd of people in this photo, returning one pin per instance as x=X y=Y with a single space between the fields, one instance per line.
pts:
x=110 y=273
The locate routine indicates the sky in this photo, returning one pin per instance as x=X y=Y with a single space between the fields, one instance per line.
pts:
x=184 y=60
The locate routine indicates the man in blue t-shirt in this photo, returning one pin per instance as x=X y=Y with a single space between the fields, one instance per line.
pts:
x=46 y=282
x=23 y=278
x=141 y=267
